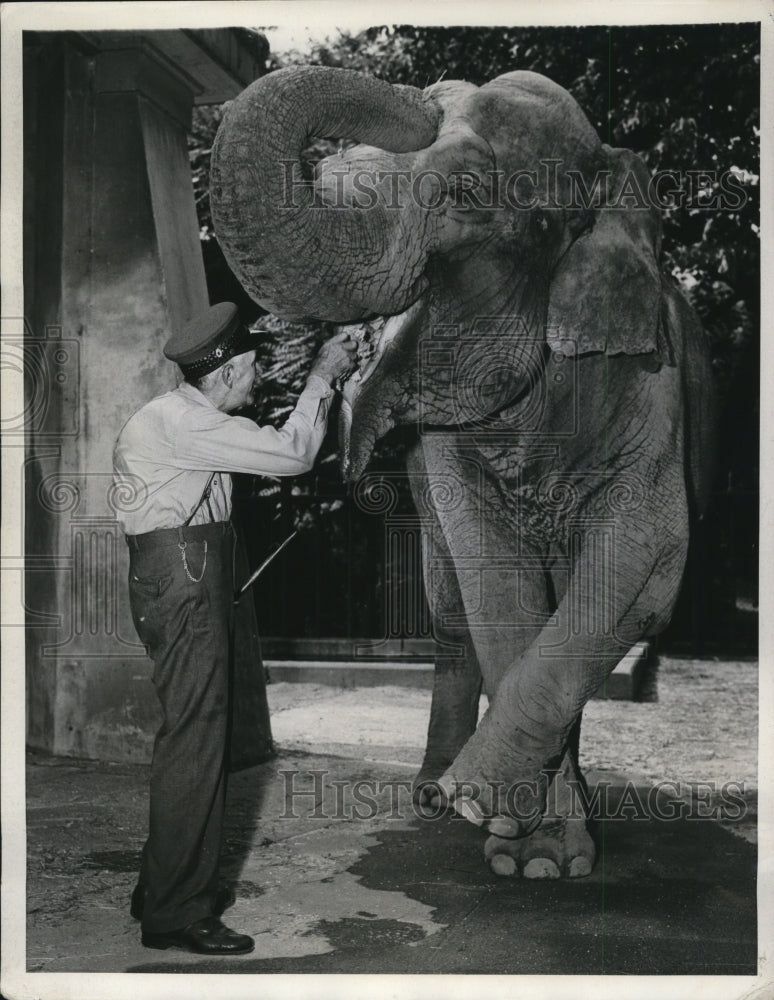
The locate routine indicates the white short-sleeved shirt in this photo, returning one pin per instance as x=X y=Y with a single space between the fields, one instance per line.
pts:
x=168 y=449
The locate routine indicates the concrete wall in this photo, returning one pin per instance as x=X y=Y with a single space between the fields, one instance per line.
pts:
x=112 y=265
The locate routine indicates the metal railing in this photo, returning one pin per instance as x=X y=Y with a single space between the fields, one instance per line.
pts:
x=357 y=575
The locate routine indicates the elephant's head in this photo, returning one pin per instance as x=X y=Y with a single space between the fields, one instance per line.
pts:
x=464 y=237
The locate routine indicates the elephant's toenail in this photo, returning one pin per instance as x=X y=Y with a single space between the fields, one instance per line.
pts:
x=580 y=867
x=501 y=864
x=503 y=827
x=469 y=811
x=541 y=868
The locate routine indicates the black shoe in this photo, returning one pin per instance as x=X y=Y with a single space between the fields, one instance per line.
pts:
x=207 y=937
x=224 y=898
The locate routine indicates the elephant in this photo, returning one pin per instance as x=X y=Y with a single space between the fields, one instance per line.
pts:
x=500 y=266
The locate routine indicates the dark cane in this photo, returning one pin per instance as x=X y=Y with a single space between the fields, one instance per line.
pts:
x=269 y=558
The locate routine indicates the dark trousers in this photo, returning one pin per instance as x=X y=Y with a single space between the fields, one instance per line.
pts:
x=181 y=591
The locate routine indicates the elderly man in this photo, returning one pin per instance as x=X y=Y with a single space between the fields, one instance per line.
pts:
x=179 y=449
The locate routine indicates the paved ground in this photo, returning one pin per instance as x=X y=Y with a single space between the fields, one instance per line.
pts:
x=348 y=879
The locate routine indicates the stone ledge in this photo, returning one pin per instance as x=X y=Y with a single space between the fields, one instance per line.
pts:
x=623 y=684
x=362 y=650
x=347 y=674
x=625 y=681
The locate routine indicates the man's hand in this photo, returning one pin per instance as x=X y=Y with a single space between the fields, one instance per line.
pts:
x=336 y=357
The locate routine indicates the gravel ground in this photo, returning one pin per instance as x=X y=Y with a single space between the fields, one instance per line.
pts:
x=701 y=725
x=86 y=819
x=697 y=722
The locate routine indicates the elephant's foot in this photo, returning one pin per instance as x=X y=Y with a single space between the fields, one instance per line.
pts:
x=531 y=805
x=481 y=799
x=507 y=810
x=495 y=784
x=560 y=847
x=425 y=787
x=563 y=848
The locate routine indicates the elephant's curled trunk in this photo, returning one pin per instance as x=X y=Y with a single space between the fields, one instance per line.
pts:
x=296 y=257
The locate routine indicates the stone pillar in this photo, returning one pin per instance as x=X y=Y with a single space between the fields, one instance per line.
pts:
x=112 y=266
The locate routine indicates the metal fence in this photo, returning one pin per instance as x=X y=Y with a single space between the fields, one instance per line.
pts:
x=354 y=571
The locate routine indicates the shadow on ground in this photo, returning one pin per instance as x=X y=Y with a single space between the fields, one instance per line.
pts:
x=390 y=893
x=666 y=898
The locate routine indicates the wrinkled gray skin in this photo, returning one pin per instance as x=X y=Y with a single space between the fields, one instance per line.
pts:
x=560 y=382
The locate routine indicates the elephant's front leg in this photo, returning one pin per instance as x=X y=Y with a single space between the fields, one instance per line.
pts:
x=454 y=707
x=561 y=845
x=457 y=676
x=495 y=586
x=501 y=777
x=501 y=617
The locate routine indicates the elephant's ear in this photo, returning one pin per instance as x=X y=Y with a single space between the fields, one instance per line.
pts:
x=605 y=292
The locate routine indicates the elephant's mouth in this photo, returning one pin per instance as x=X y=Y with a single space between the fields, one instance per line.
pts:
x=378 y=339
x=373 y=337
